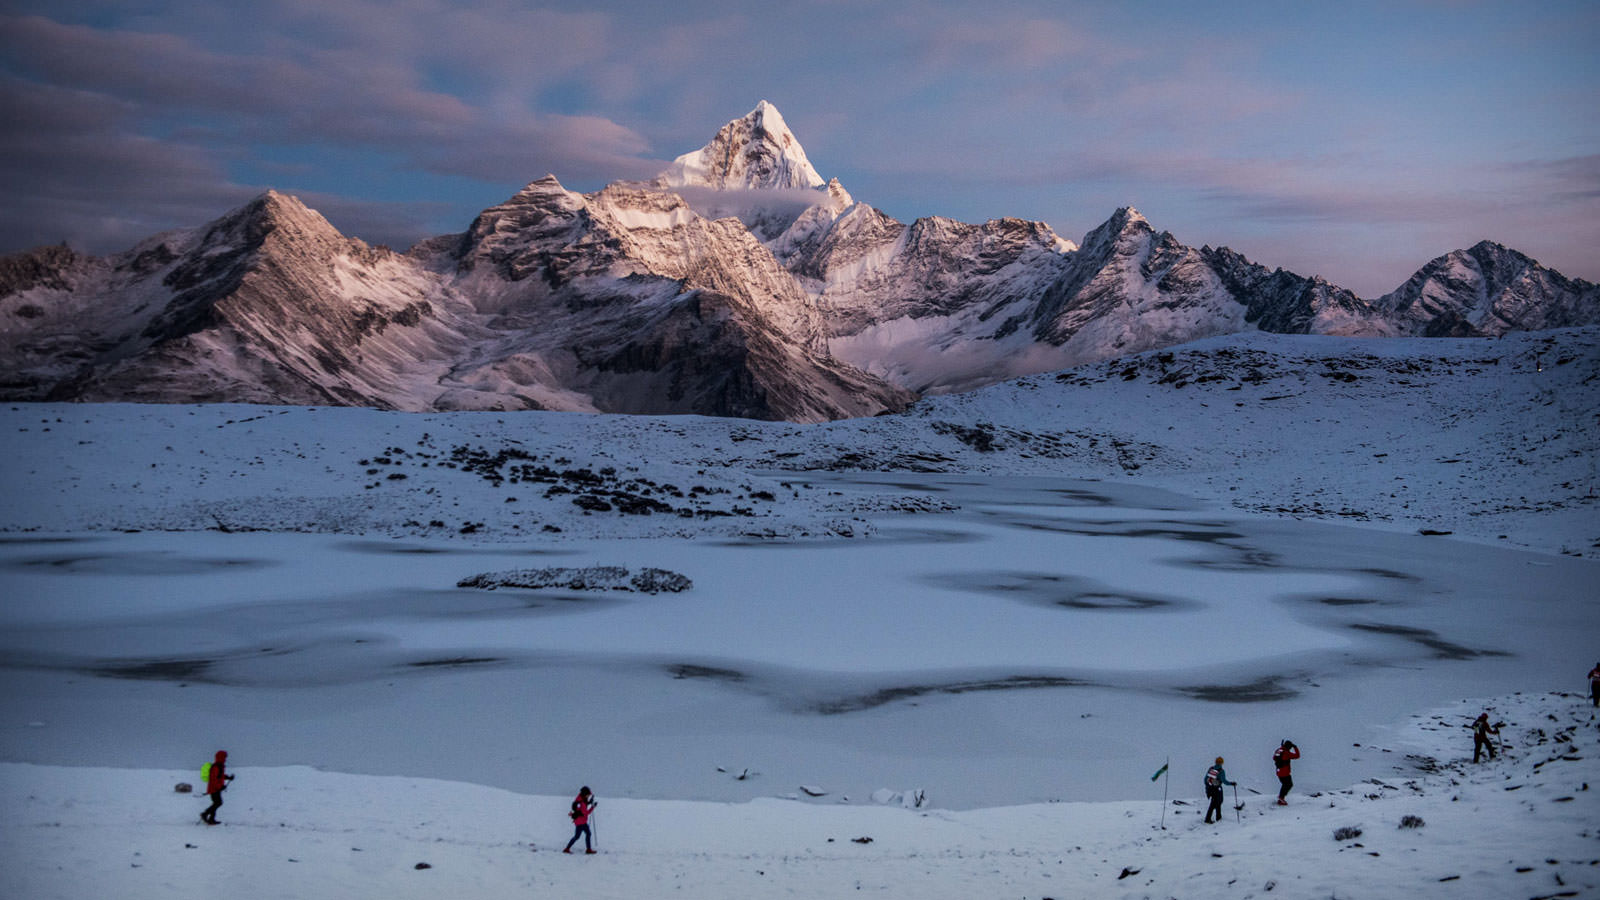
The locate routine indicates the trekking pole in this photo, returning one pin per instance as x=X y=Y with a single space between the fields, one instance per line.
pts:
x=1237 y=816
x=593 y=834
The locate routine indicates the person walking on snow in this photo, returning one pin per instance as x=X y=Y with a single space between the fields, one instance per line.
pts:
x=1594 y=684
x=582 y=806
x=217 y=779
x=1216 y=777
x=1481 y=729
x=1280 y=759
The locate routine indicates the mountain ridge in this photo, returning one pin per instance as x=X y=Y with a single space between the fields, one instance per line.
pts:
x=737 y=283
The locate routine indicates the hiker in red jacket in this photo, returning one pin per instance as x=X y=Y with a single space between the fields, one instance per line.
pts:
x=1594 y=684
x=582 y=806
x=216 y=782
x=1280 y=757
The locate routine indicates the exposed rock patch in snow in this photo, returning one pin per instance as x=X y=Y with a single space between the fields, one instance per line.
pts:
x=590 y=578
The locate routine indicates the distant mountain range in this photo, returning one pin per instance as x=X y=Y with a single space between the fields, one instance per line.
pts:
x=737 y=283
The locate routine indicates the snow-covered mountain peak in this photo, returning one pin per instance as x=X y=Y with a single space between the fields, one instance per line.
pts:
x=1122 y=234
x=549 y=184
x=1126 y=218
x=769 y=119
x=757 y=151
x=272 y=210
x=838 y=197
x=1488 y=289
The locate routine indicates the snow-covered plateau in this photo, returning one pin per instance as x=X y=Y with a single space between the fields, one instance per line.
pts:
x=762 y=641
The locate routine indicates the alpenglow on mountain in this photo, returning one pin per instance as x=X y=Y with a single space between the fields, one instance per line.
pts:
x=737 y=283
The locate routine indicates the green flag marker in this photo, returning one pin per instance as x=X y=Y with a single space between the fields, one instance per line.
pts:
x=1159 y=772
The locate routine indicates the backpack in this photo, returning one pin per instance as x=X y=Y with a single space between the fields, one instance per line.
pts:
x=205 y=773
x=1212 y=778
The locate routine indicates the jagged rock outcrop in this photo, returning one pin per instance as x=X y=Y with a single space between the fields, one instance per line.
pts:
x=1287 y=303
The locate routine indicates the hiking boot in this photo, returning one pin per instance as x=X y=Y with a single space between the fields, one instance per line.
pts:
x=1282 y=802
x=591 y=851
x=567 y=850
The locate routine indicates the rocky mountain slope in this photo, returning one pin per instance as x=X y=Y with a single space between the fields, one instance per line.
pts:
x=266 y=304
x=632 y=302
x=738 y=283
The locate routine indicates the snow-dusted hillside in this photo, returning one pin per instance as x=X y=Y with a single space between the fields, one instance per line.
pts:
x=1493 y=440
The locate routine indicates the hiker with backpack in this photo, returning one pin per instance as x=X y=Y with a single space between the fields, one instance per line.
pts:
x=1481 y=729
x=1216 y=777
x=582 y=807
x=1281 y=758
x=217 y=778
x=1594 y=684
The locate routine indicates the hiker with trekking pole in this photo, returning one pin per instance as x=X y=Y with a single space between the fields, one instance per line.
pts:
x=582 y=808
x=1481 y=729
x=1216 y=777
x=216 y=776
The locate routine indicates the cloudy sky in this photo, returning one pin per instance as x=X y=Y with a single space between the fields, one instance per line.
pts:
x=1349 y=140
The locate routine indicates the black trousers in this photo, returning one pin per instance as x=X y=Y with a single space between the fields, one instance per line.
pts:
x=1478 y=745
x=583 y=832
x=210 y=815
x=1287 y=783
x=1216 y=803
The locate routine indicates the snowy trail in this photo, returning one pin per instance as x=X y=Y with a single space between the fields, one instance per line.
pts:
x=1521 y=826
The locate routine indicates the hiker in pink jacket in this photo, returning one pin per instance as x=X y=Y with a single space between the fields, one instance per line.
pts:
x=582 y=806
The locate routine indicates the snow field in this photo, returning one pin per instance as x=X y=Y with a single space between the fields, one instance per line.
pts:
x=1524 y=825
x=1031 y=593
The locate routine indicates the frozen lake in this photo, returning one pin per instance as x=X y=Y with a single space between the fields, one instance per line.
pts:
x=1051 y=639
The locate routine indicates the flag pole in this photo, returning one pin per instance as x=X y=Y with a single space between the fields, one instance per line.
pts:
x=1166 y=777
